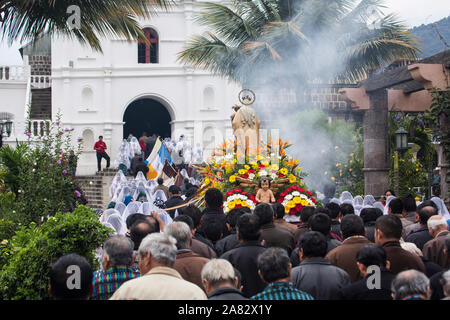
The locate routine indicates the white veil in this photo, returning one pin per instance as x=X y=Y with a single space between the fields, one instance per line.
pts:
x=132 y=207
x=386 y=207
x=369 y=200
x=346 y=197
x=442 y=209
x=118 y=223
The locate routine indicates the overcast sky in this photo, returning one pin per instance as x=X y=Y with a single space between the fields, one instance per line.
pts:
x=413 y=12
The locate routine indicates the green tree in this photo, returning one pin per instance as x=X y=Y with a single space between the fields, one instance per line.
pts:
x=297 y=37
x=26 y=20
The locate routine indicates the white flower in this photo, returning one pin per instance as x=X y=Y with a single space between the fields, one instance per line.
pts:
x=263 y=173
x=273 y=176
x=251 y=176
x=303 y=196
x=250 y=203
x=296 y=193
x=289 y=197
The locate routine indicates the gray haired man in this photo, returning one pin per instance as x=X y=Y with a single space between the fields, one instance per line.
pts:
x=159 y=281
x=411 y=285
x=117 y=264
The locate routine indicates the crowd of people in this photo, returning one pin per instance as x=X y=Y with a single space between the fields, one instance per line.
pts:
x=339 y=251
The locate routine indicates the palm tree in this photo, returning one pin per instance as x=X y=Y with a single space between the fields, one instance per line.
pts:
x=25 y=20
x=263 y=40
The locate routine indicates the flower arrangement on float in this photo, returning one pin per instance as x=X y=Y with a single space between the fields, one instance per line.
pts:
x=295 y=198
x=237 y=199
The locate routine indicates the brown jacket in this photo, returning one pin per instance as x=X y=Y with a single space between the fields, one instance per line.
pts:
x=344 y=256
x=189 y=265
x=433 y=250
x=202 y=249
x=283 y=223
x=401 y=259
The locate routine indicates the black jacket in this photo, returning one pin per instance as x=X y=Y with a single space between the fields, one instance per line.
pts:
x=173 y=202
x=419 y=237
x=244 y=258
x=275 y=236
x=295 y=258
x=227 y=243
x=227 y=293
x=319 y=278
x=360 y=291
x=437 y=293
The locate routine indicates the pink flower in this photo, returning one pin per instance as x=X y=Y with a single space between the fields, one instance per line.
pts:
x=57 y=123
x=64 y=172
x=58 y=162
x=78 y=193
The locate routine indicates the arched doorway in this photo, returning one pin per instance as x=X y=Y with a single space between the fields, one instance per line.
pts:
x=147 y=115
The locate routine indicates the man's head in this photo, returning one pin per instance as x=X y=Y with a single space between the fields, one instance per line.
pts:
x=388 y=228
x=347 y=208
x=424 y=214
x=436 y=224
x=371 y=255
x=334 y=210
x=100 y=138
x=274 y=265
x=306 y=213
x=182 y=233
x=395 y=206
x=139 y=230
x=218 y=273
x=352 y=225
x=160 y=181
x=427 y=203
x=67 y=267
x=213 y=229
x=213 y=198
x=320 y=222
x=370 y=214
x=186 y=219
x=118 y=251
x=248 y=227
x=445 y=281
x=313 y=245
x=410 y=283
x=265 y=213
x=174 y=191
x=193 y=212
x=409 y=203
x=157 y=249
x=232 y=218
x=132 y=218
x=278 y=210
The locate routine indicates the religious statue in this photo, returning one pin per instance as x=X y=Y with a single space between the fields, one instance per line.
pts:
x=264 y=194
x=246 y=126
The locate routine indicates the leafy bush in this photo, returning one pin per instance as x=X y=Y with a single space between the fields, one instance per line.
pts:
x=33 y=249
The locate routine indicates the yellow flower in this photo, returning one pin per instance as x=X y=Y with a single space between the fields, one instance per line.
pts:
x=232 y=179
x=242 y=171
x=297 y=200
x=284 y=171
x=231 y=205
x=291 y=204
x=287 y=209
x=266 y=163
x=275 y=167
x=206 y=181
x=247 y=167
x=259 y=157
x=237 y=201
x=292 y=178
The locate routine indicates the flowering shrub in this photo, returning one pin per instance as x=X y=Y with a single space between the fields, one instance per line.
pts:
x=295 y=198
x=33 y=249
x=237 y=199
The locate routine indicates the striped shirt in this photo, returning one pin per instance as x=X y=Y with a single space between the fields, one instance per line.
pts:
x=107 y=282
x=282 y=291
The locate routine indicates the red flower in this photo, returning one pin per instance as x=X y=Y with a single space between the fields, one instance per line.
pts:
x=252 y=197
x=313 y=200
x=309 y=193
x=289 y=190
x=280 y=175
x=299 y=207
x=245 y=176
x=292 y=211
x=245 y=193
x=238 y=190
x=251 y=171
x=302 y=190
x=280 y=200
x=283 y=194
x=261 y=166
x=238 y=206
x=224 y=198
x=229 y=193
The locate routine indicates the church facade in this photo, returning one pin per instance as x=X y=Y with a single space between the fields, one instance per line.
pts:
x=130 y=88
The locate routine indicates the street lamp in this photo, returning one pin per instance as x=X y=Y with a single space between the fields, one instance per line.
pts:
x=5 y=127
x=401 y=145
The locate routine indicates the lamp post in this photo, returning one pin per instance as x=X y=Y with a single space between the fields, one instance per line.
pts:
x=401 y=146
x=5 y=127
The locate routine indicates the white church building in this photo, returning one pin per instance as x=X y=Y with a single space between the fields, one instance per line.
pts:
x=129 y=88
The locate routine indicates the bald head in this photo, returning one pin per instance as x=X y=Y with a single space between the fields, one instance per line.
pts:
x=425 y=214
x=410 y=283
x=436 y=224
